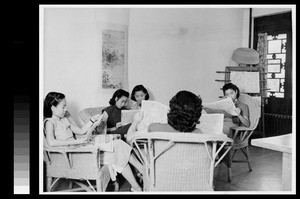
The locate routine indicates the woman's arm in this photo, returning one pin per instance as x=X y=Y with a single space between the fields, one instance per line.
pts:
x=92 y=124
x=54 y=142
x=104 y=116
x=244 y=119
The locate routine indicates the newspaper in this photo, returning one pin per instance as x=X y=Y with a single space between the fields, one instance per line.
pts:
x=152 y=112
x=211 y=123
x=224 y=104
x=127 y=116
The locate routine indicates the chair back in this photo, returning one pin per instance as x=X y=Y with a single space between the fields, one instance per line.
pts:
x=179 y=161
x=254 y=110
x=87 y=113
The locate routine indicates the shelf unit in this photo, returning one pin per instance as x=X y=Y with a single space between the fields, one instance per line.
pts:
x=262 y=86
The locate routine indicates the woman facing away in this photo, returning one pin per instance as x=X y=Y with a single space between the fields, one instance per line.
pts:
x=242 y=110
x=184 y=115
x=138 y=94
x=60 y=132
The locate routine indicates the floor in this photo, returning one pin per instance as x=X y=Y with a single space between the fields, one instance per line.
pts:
x=265 y=175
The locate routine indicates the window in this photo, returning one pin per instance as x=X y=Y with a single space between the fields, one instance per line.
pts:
x=276 y=60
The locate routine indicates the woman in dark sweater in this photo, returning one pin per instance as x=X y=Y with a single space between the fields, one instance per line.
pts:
x=112 y=113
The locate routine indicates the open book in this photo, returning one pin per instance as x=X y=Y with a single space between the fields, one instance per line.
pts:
x=223 y=105
x=127 y=116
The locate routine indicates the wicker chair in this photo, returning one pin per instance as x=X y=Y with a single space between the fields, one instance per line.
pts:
x=87 y=113
x=77 y=163
x=242 y=134
x=178 y=161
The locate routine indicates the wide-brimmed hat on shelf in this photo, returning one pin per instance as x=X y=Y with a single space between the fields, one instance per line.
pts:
x=245 y=56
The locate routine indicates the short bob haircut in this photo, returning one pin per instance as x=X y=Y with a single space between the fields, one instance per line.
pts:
x=51 y=99
x=233 y=87
x=185 y=111
x=139 y=88
x=118 y=94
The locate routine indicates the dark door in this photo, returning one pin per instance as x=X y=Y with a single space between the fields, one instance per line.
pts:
x=278 y=109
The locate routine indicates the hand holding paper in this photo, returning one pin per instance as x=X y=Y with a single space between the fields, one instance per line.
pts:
x=223 y=104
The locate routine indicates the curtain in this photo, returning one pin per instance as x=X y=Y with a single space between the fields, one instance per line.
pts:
x=262 y=49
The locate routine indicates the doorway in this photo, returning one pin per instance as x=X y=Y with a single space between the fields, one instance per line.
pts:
x=278 y=106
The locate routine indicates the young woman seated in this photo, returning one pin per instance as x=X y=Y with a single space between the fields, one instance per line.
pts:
x=242 y=110
x=60 y=132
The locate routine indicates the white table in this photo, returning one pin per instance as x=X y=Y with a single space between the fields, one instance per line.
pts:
x=282 y=143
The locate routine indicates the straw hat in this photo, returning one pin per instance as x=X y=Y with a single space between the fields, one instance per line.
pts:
x=245 y=56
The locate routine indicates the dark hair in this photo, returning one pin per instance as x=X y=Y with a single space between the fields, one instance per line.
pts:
x=185 y=111
x=233 y=87
x=139 y=88
x=118 y=94
x=51 y=99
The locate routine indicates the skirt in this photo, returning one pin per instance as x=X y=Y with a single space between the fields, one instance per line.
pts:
x=117 y=159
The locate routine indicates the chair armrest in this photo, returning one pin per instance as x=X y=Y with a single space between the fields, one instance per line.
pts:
x=73 y=148
x=241 y=128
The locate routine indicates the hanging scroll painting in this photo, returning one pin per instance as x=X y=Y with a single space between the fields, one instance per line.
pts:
x=114 y=54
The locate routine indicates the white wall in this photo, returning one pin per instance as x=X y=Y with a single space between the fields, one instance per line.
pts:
x=181 y=49
x=168 y=50
x=257 y=12
x=72 y=54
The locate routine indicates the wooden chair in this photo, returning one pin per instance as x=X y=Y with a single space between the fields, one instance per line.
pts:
x=77 y=163
x=178 y=161
x=242 y=134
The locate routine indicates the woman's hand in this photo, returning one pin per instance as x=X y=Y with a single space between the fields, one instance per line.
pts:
x=95 y=118
x=118 y=125
x=238 y=111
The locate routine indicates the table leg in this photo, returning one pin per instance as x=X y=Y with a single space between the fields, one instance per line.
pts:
x=287 y=172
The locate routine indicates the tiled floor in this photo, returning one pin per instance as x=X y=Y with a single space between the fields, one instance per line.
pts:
x=265 y=175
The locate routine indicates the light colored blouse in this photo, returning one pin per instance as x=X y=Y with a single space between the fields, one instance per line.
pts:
x=62 y=129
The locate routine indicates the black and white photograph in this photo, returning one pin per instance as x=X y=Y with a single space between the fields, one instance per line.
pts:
x=167 y=99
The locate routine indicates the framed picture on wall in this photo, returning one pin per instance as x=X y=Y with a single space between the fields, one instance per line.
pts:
x=114 y=56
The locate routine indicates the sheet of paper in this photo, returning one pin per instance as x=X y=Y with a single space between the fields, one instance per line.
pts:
x=127 y=116
x=223 y=104
x=153 y=112
x=248 y=82
x=211 y=123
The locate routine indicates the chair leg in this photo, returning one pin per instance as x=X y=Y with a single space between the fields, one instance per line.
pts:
x=48 y=184
x=245 y=151
x=233 y=154
x=99 y=185
x=229 y=174
x=228 y=161
x=70 y=184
